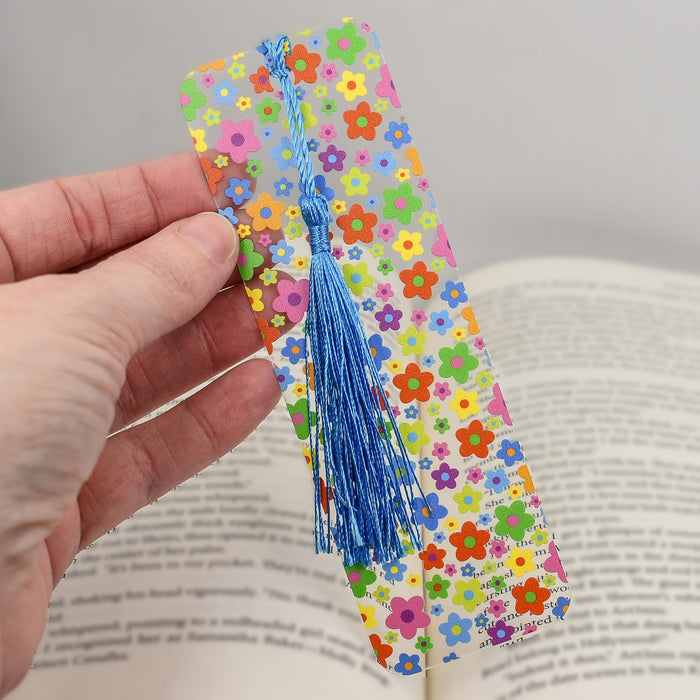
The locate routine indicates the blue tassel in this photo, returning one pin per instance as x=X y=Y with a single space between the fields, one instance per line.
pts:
x=362 y=473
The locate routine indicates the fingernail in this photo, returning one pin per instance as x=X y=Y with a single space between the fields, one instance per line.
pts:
x=212 y=233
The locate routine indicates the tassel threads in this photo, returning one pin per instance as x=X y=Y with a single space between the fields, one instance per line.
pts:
x=364 y=480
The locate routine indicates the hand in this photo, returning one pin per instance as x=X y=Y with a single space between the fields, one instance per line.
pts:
x=84 y=355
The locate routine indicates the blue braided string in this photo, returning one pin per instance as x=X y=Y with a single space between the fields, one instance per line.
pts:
x=372 y=481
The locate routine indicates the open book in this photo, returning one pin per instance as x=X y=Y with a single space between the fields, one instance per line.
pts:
x=214 y=590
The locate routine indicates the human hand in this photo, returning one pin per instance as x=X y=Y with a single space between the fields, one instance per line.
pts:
x=83 y=355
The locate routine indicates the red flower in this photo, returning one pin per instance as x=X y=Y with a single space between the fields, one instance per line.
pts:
x=419 y=281
x=414 y=384
x=470 y=542
x=269 y=333
x=362 y=122
x=303 y=64
x=357 y=225
x=381 y=651
x=213 y=174
x=530 y=597
x=261 y=80
x=433 y=557
x=326 y=495
x=475 y=440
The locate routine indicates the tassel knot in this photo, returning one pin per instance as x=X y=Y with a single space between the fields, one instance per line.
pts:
x=314 y=211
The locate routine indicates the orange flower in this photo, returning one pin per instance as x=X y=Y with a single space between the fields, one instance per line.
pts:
x=469 y=316
x=433 y=557
x=303 y=64
x=475 y=440
x=215 y=65
x=381 y=651
x=261 y=80
x=362 y=122
x=357 y=225
x=266 y=213
x=269 y=333
x=212 y=173
x=419 y=281
x=414 y=384
x=470 y=542
x=530 y=597
x=524 y=474
x=414 y=159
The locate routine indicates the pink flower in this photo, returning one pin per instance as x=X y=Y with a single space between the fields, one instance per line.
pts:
x=450 y=569
x=553 y=563
x=418 y=316
x=475 y=475
x=207 y=80
x=423 y=184
x=293 y=299
x=496 y=608
x=265 y=239
x=441 y=248
x=386 y=231
x=384 y=292
x=386 y=88
x=497 y=407
x=479 y=343
x=407 y=616
x=396 y=410
x=498 y=548
x=529 y=629
x=328 y=132
x=535 y=502
x=362 y=157
x=440 y=450
x=442 y=390
x=329 y=71
x=238 y=139
x=337 y=253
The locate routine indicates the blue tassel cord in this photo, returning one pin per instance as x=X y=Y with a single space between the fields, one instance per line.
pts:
x=362 y=473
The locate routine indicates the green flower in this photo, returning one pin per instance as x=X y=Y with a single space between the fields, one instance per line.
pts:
x=191 y=99
x=359 y=577
x=457 y=362
x=382 y=593
x=437 y=587
x=328 y=107
x=513 y=521
x=401 y=203
x=299 y=413
x=441 y=425
x=468 y=500
x=268 y=111
x=385 y=266
x=539 y=537
x=468 y=595
x=357 y=277
x=414 y=436
x=344 y=43
x=248 y=259
x=423 y=644
x=255 y=168
x=498 y=583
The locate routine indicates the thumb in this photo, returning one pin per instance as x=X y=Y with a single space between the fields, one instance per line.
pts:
x=162 y=282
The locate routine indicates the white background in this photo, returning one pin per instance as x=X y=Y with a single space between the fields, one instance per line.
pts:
x=545 y=127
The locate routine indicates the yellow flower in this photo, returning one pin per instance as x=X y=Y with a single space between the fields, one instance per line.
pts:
x=268 y=276
x=278 y=320
x=352 y=85
x=368 y=615
x=459 y=333
x=301 y=263
x=294 y=229
x=395 y=366
x=211 y=116
x=339 y=207
x=198 y=138
x=391 y=637
x=299 y=390
x=381 y=105
x=515 y=491
x=437 y=264
x=451 y=524
x=293 y=212
x=402 y=174
x=520 y=561
x=371 y=60
x=243 y=230
x=244 y=103
x=355 y=182
x=309 y=119
x=413 y=579
x=465 y=404
x=221 y=161
x=408 y=245
x=255 y=299
x=237 y=70
x=433 y=409
x=320 y=91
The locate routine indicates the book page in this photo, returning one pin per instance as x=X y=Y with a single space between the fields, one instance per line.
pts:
x=600 y=366
x=214 y=592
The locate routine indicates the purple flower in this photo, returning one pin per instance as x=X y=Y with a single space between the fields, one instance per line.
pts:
x=445 y=477
x=389 y=318
x=500 y=632
x=332 y=159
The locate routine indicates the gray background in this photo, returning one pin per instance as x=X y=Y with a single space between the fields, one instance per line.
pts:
x=545 y=127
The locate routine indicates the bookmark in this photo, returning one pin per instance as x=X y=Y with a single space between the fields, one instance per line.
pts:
x=421 y=483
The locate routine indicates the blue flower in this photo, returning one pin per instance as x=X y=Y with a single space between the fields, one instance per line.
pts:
x=561 y=606
x=450 y=657
x=397 y=134
x=440 y=321
x=428 y=361
x=284 y=377
x=379 y=351
x=369 y=304
x=425 y=463
x=224 y=93
x=384 y=163
x=468 y=570
x=481 y=620
x=497 y=480
x=283 y=153
x=384 y=378
x=283 y=187
x=411 y=413
x=228 y=213
x=510 y=452
x=437 y=610
x=439 y=537
x=408 y=664
x=267 y=133
x=300 y=92
x=295 y=350
x=456 y=629
x=394 y=570
x=372 y=202
x=355 y=253
x=313 y=145
x=321 y=188
x=454 y=294
x=282 y=252
x=238 y=190
x=316 y=42
x=484 y=518
x=428 y=511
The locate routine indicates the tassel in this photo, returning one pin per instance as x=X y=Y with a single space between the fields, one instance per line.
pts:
x=362 y=473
